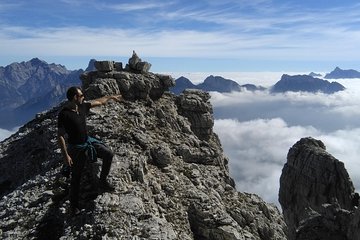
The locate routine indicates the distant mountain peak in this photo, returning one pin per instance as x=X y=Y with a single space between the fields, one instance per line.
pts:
x=315 y=74
x=37 y=61
x=213 y=83
x=305 y=83
x=184 y=79
x=340 y=73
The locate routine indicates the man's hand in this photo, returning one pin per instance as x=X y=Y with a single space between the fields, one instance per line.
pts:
x=68 y=160
x=104 y=100
x=117 y=98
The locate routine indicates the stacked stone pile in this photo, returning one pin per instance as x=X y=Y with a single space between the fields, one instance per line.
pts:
x=170 y=173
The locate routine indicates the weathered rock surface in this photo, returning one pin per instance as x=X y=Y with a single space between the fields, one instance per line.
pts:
x=317 y=195
x=170 y=173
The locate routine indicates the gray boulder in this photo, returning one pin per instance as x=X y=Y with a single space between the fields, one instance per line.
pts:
x=104 y=66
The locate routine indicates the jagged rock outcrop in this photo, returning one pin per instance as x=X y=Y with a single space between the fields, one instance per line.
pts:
x=317 y=195
x=171 y=176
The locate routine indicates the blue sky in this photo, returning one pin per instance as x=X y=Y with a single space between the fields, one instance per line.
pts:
x=185 y=36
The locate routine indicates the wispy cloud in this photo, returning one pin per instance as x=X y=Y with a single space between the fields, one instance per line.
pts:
x=8 y=5
x=128 y=7
x=248 y=30
x=74 y=2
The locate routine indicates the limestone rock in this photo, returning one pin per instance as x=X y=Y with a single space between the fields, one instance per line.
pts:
x=112 y=79
x=317 y=195
x=162 y=155
x=104 y=66
x=195 y=105
x=170 y=174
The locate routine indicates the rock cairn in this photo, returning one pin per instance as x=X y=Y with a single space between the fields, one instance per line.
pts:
x=317 y=195
x=170 y=173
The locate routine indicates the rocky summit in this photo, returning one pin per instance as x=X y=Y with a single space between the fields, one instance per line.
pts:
x=171 y=176
x=317 y=195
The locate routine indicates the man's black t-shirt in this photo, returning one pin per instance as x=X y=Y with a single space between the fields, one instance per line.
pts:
x=74 y=123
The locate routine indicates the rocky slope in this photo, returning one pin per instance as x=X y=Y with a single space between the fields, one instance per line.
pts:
x=317 y=195
x=171 y=176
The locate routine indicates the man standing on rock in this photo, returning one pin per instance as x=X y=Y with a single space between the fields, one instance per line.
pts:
x=81 y=147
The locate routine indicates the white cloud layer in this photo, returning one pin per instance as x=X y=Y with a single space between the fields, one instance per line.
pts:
x=257 y=129
x=257 y=150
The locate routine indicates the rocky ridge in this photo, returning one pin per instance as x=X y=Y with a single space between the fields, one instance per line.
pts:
x=171 y=175
x=317 y=195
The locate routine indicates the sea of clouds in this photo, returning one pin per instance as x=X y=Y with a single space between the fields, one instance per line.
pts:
x=257 y=129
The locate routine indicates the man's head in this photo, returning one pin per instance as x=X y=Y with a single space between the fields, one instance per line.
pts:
x=74 y=94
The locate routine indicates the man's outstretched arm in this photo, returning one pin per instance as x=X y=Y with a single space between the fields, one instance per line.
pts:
x=103 y=100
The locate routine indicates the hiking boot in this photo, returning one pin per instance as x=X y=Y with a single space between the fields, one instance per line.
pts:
x=106 y=186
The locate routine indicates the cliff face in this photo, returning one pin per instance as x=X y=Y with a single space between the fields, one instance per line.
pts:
x=317 y=195
x=171 y=176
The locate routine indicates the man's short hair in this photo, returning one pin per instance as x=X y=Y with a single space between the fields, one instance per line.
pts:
x=71 y=92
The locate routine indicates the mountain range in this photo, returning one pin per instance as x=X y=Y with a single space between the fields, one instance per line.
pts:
x=306 y=83
x=212 y=83
x=27 y=88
